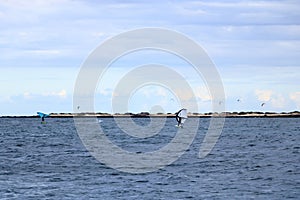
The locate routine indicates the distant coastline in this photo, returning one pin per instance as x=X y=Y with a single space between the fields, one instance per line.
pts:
x=168 y=115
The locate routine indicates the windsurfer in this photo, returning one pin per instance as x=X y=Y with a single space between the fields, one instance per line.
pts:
x=178 y=119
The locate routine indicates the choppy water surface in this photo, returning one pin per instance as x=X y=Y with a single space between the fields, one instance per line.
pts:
x=255 y=158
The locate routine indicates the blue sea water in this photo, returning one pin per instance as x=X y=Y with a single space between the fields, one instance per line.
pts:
x=255 y=158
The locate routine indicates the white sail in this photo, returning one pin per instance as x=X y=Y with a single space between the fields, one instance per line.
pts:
x=183 y=114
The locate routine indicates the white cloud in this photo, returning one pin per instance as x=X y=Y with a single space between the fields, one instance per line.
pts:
x=60 y=94
x=263 y=95
x=240 y=12
x=31 y=12
x=295 y=96
x=6 y=99
x=278 y=101
x=247 y=34
x=202 y=93
x=162 y=92
x=106 y=92
x=151 y=91
x=27 y=95
x=44 y=52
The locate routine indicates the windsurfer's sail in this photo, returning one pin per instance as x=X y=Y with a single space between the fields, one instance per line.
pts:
x=42 y=115
x=181 y=116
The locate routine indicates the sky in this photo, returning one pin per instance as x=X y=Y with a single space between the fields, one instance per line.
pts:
x=255 y=46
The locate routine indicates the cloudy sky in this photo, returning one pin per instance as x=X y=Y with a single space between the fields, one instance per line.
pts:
x=255 y=46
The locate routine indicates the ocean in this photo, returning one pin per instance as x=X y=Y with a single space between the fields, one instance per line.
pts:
x=254 y=158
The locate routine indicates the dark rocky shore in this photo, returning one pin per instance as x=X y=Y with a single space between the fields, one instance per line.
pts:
x=146 y=114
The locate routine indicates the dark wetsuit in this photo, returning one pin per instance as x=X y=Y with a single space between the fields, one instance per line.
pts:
x=178 y=119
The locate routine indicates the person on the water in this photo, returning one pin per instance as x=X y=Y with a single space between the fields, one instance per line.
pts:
x=178 y=119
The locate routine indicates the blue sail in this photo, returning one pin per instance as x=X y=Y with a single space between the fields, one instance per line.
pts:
x=42 y=114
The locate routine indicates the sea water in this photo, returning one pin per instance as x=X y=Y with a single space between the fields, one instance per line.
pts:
x=254 y=158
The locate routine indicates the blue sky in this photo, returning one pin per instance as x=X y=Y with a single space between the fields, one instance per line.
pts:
x=255 y=46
